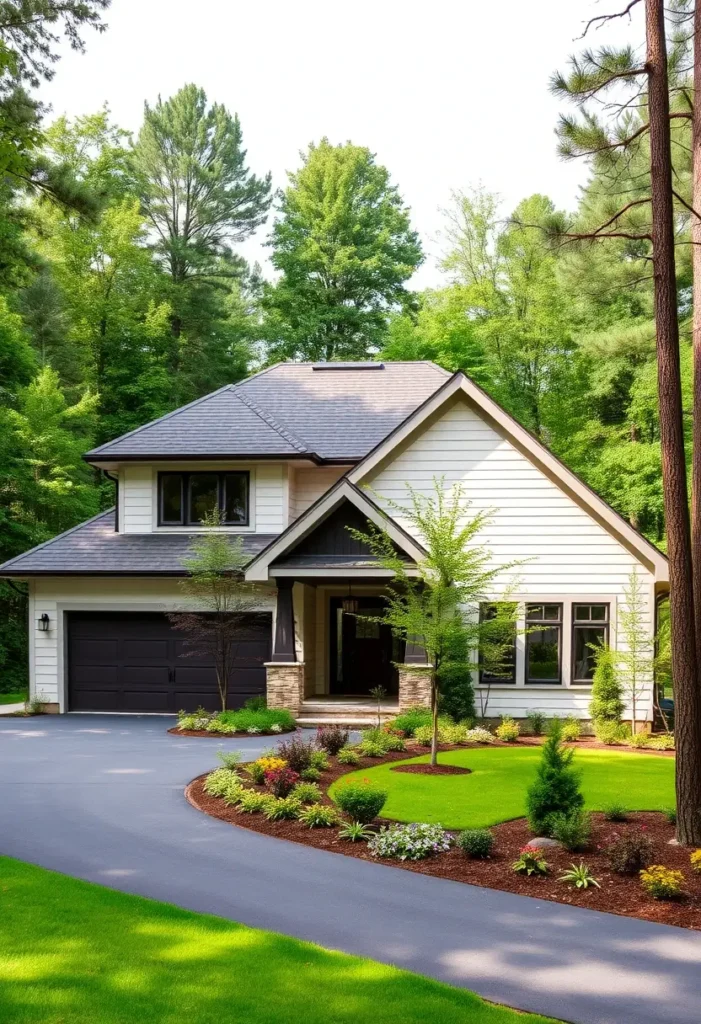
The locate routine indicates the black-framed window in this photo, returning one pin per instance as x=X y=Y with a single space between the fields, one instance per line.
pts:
x=505 y=674
x=590 y=629
x=184 y=499
x=544 y=644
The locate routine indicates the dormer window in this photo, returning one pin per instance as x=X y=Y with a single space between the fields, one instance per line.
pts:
x=184 y=499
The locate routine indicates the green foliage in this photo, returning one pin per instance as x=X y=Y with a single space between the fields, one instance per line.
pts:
x=662 y=741
x=606 y=705
x=297 y=752
x=371 y=748
x=231 y=759
x=331 y=738
x=556 y=786
x=319 y=816
x=360 y=801
x=408 y=721
x=662 y=883
x=409 y=842
x=344 y=247
x=536 y=722
x=348 y=755
x=509 y=730
x=355 y=832
x=266 y=720
x=571 y=729
x=573 y=830
x=307 y=793
x=671 y=815
x=630 y=853
x=282 y=809
x=611 y=733
x=476 y=842
x=217 y=782
x=580 y=876
x=310 y=774
x=615 y=811
x=252 y=802
x=456 y=694
x=319 y=759
x=530 y=861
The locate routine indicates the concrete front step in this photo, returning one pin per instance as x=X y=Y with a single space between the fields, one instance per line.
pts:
x=356 y=713
x=350 y=721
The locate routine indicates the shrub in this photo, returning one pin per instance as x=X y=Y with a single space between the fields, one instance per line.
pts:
x=571 y=730
x=606 y=703
x=456 y=733
x=671 y=815
x=536 y=722
x=476 y=842
x=630 y=853
x=361 y=801
x=347 y=755
x=257 y=769
x=394 y=743
x=310 y=775
x=370 y=749
x=573 y=830
x=331 y=738
x=258 y=703
x=639 y=740
x=297 y=752
x=663 y=741
x=409 y=842
x=355 y=831
x=408 y=721
x=320 y=761
x=232 y=793
x=579 y=876
x=319 y=816
x=456 y=693
x=284 y=809
x=251 y=802
x=530 y=861
x=695 y=861
x=307 y=793
x=662 y=883
x=198 y=719
x=611 y=733
x=254 y=730
x=423 y=734
x=509 y=730
x=218 y=782
x=220 y=726
x=555 y=790
x=229 y=758
x=479 y=735
x=281 y=781
x=262 y=719
x=615 y=812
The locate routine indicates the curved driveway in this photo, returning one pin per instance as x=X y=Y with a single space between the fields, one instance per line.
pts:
x=101 y=798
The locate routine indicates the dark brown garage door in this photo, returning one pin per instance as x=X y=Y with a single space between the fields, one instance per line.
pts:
x=137 y=662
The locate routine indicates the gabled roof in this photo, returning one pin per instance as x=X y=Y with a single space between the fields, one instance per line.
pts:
x=326 y=412
x=272 y=561
x=94 y=549
x=529 y=446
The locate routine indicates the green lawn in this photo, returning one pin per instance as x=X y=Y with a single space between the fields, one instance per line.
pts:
x=496 y=789
x=13 y=698
x=74 y=953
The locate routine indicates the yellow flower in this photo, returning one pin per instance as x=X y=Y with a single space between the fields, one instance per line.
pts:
x=695 y=859
x=271 y=764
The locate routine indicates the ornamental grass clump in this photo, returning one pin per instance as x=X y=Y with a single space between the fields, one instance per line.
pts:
x=476 y=842
x=580 y=876
x=410 y=842
x=281 y=781
x=355 y=832
x=615 y=811
x=360 y=801
x=331 y=738
x=555 y=789
x=662 y=883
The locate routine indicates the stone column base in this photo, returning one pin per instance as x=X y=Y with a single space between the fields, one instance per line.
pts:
x=414 y=686
x=285 y=685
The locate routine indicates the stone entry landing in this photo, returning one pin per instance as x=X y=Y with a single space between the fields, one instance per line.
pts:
x=355 y=712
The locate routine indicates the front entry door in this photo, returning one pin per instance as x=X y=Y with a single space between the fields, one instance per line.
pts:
x=362 y=652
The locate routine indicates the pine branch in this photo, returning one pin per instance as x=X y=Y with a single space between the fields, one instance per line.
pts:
x=603 y=18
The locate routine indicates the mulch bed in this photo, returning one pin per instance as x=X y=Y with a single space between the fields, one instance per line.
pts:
x=224 y=735
x=429 y=769
x=619 y=894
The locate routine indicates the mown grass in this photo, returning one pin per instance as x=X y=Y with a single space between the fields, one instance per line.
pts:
x=13 y=698
x=75 y=953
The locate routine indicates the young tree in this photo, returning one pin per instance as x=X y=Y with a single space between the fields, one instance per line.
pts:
x=224 y=600
x=555 y=789
x=344 y=246
x=434 y=604
x=607 y=704
x=636 y=658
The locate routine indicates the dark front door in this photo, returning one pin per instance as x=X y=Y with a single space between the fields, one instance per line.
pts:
x=129 y=661
x=362 y=652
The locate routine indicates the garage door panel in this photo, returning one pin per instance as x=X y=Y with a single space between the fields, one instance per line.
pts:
x=128 y=661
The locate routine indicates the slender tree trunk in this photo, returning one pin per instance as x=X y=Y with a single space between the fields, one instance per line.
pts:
x=684 y=669
x=434 y=714
x=696 y=326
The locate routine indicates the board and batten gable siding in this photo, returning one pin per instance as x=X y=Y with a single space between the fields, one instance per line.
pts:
x=138 y=512
x=59 y=595
x=567 y=555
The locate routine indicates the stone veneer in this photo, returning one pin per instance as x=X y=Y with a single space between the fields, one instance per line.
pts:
x=285 y=685
x=414 y=686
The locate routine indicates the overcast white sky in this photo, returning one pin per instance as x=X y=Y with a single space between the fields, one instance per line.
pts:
x=447 y=94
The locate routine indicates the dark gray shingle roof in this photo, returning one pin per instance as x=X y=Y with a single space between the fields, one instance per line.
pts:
x=94 y=548
x=332 y=411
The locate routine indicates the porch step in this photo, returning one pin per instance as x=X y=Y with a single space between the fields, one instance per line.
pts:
x=354 y=713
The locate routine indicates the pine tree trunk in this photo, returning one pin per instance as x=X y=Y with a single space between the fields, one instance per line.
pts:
x=696 y=327
x=684 y=671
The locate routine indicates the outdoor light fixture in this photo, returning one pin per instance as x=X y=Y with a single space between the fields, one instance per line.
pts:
x=350 y=603
x=43 y=623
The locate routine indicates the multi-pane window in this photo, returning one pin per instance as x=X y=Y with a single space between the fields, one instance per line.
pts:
x=544 y=643
x=500 y=642
x=590 y=629
x=184 y=499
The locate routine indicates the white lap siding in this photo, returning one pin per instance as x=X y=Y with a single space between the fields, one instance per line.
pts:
x=567 y=555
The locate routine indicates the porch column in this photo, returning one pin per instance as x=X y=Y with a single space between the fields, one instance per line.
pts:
x=284 y=675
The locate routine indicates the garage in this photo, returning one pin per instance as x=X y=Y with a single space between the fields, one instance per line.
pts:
x=137 y=662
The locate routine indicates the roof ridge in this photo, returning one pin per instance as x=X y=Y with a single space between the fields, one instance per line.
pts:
x=45 y=543
x=278 y=427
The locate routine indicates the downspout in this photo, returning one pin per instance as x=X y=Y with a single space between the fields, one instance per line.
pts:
x=115 y=481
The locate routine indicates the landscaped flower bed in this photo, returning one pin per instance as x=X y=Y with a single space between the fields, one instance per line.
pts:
x=253 y=720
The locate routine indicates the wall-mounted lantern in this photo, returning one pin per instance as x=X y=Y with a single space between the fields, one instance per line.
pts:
x=350 y=603
x=43 y=623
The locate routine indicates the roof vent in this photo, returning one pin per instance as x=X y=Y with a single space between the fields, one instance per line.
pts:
x=348 y=366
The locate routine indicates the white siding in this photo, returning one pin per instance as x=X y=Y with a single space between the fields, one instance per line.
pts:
x=566 y=554
x=308 y=485
x=136 y=485
x=270 y=485
x=58 y=595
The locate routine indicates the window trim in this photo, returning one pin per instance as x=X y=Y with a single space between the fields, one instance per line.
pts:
x=185 y=477
x=486 y=680
x=605 y=623
x=545 y=623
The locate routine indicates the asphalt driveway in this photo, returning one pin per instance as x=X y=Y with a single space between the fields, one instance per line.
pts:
x=101 y=798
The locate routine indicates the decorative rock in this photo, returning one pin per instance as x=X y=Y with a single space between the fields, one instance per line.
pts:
x=673 y=842
x=543 y=842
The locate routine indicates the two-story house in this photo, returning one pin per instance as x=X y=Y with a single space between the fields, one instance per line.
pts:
x=291 y=457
